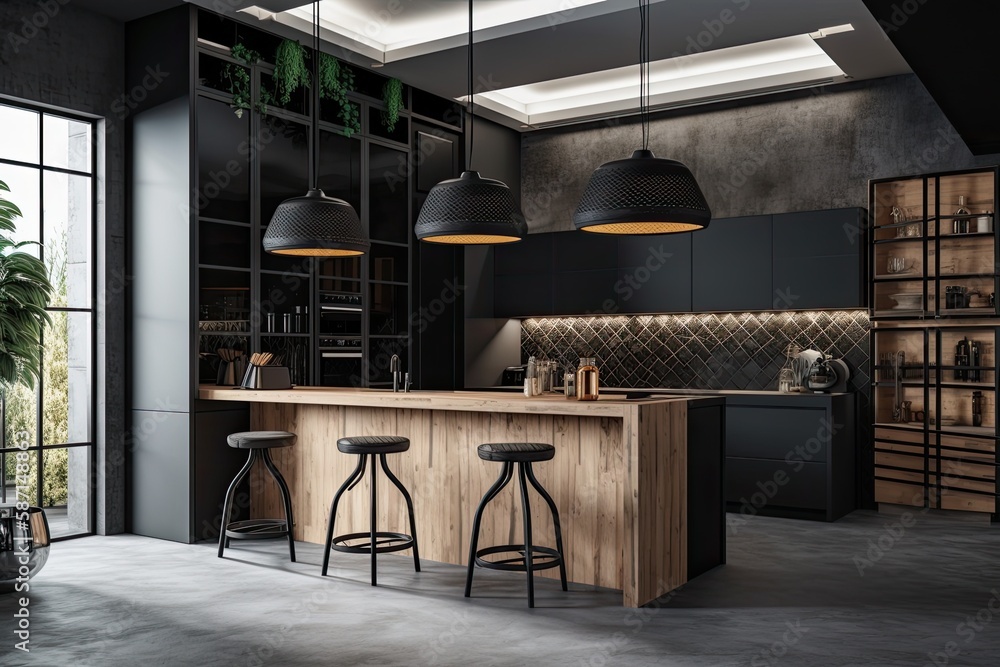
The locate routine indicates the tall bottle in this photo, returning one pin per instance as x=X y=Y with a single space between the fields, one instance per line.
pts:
x=975 y=360
x=587 y=382
x=961 y=226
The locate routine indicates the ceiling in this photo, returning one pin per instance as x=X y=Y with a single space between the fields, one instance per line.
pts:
x=527 y=49
x=958 y=70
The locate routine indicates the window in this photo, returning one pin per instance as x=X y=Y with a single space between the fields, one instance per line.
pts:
x=47 y=161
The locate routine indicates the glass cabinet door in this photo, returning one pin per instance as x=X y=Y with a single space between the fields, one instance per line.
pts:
x=964 y=254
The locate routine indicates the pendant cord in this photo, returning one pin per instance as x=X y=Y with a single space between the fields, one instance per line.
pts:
x=644 y=71
x=314 y=144
x=472 y=112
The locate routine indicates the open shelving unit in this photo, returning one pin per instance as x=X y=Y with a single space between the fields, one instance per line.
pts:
x=937 y=453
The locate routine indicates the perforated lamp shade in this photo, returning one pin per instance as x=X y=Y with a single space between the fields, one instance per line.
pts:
x=471 y=210
x=643 y=194
x=315 y=226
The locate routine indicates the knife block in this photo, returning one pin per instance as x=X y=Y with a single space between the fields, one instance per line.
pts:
x=267 y=377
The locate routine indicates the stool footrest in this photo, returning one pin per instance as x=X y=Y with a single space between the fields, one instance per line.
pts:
x=542 y=558
x=384 y=543
x=257 y=529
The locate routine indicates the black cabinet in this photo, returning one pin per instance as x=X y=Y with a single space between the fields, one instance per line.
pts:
x=791 y=455
x=523 y=278
x=818 y=259
x=585 y=292
x=654 y=274
x=791 y=261
x=731 y=265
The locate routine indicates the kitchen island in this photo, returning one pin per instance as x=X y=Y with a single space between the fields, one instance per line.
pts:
x=638 y=483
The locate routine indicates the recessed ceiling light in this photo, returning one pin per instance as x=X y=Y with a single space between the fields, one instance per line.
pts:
x=735 y=71
x=381 y=26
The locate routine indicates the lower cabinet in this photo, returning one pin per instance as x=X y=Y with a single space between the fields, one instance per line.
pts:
x=706 y=524
x=791 y=455
x=939 y=471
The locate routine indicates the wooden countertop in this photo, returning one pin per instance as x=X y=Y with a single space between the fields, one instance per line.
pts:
x=463 y=401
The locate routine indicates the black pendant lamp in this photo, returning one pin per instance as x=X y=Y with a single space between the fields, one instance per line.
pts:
x=315 y=225
x=642 y=194
x=470 y=210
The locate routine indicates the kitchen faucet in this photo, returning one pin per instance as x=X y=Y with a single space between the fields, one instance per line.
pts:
x=394 y=369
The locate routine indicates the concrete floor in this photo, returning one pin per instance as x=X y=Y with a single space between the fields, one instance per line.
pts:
x=793 y=593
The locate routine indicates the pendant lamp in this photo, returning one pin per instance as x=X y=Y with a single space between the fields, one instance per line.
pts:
x=470 y=210
x=315 y=225
x=642 y=194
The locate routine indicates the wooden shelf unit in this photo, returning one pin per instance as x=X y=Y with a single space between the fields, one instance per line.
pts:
x=942 y=460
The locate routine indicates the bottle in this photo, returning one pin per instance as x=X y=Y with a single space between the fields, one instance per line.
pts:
x=587 y=380
x=298 y=319
x=961 y=226
x=975 y=359
x=977 y=408
x=531 y=378
x=286 y=322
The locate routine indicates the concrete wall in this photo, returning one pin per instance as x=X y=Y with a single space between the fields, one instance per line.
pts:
x=795 y=152
x=54 y=53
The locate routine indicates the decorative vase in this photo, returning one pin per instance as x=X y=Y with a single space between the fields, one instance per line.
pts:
x=24 y=544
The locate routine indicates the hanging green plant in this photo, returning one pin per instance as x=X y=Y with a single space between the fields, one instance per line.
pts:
x=290 y=70
x=392 y=97
x=237 y=77
x=335 y=82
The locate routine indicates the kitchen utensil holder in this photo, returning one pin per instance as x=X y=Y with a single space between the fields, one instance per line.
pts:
x=267 y=377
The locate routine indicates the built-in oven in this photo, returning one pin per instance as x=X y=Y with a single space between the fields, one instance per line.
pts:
x=340 y=314
x=340 y=339
x=340 y=361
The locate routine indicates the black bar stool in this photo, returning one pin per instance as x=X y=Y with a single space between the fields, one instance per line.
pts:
x=259 y=443
x=531 y=558
x=378 y=542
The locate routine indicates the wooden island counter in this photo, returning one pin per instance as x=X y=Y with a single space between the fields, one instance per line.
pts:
x=638 y=483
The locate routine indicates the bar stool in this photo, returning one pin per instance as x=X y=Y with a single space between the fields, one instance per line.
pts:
x=259 y=443
x=379 y=542
x=532 y=558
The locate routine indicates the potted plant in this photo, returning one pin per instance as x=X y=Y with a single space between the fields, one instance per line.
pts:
x=25 y=292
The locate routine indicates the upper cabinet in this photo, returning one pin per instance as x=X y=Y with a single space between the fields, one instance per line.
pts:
x=654 y=274
x=731 y=265
x=523 y=277
x=792 y=261
x=818 y=259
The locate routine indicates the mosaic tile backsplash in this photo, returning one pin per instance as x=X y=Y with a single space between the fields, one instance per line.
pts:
x=711 y=351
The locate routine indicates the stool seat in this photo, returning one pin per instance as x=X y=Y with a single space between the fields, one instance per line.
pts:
x=517 y=452
x=373 y=444
x=261 y=439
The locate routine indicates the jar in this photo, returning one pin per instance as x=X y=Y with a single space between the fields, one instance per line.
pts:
x=786 y=380
x=569 y=383
x=587 y=380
